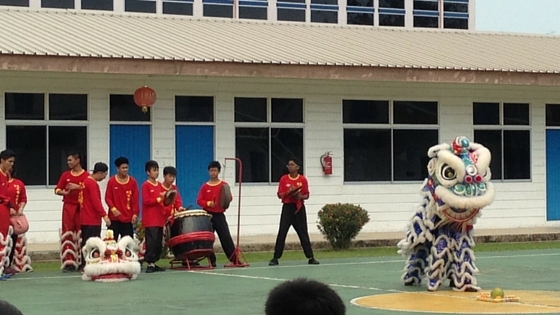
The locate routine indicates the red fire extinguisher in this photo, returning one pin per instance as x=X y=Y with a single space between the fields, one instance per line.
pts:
x=326 y=162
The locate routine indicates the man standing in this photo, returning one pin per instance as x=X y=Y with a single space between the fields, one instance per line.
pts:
x=92 y=210
x=7 y=159
x=18 y=198
x=70 y=187
x=293 y=189
x=121 y=197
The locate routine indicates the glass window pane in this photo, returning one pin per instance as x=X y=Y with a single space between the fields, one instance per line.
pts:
x=16 y=3
x=416 y=113
x=320 y=16
x=287 y=110
x=27 y=106
x=410 y=153
x=486 y=113
x=449 y=6
x=517 y=154
x=426 y=21
x=179 y=8
x=359 y=3
x=194 y=108
x=250 y=109
x=218 y=10
x=391 y=20
x=30 y=145
x=426 y=5
x=140 y=6
x=359 y=18
x=252 y=147
x=365 y=112
x=106 y=5
x=254 y=13
x=63 y=141
x=57 y=4
x=394 y=4
x=553 y=115
x=367 y=155
x=123 y=108
x=459 y=24
x=492 y=140
x=295 y=15
x=516 y=114
x=286 y=143
x=68 y=107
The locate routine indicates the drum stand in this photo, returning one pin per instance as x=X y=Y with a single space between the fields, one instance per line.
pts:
x=192 y=262
x=237 y=259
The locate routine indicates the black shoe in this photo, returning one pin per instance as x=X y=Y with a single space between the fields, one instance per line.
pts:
x=151 y=269
x=273 y=262
x=158 y=268
x=68 y=269
x=312 y=261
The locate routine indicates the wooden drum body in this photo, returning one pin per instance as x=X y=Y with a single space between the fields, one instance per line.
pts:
x=191 y=235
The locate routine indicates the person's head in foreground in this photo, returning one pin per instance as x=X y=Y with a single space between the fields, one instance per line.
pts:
x=304 y=297
x=8 y=309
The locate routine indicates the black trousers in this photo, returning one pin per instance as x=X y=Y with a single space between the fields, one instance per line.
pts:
x=13 y=249
x=121 y=229
x=221 y=227
x=89 y=231
x=298 y=220
x=154 y=239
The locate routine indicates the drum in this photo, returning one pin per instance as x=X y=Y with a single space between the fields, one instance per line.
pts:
x=191 y=235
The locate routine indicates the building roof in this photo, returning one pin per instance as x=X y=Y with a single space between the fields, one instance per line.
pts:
x=140 y=36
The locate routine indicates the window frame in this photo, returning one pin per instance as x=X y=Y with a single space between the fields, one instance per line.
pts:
x=269 y=124
x=47 y=122
x=388 y=126
x=194 y=123
x=502 y=127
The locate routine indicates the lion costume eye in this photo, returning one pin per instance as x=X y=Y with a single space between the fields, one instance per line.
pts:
x=448 y=173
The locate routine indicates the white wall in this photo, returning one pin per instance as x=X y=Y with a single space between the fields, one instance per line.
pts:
x=518 y=204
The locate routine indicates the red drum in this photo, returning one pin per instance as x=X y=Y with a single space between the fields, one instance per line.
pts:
x=191 y=235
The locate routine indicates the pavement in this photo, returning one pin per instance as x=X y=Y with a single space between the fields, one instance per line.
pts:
x=265 y=243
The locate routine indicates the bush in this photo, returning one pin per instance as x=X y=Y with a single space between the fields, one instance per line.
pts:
x=341 y=223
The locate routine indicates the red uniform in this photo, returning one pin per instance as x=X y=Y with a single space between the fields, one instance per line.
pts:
x=92 y=211
x=71 y=224
x=122 y=196
x=17 y=192
x=5 y=205
x=178 y=201
x=18 y=195
x=210 y=192
x=284 y=187
x=154 y=214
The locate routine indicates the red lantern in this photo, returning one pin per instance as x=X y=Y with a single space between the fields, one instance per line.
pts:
x=145 y=97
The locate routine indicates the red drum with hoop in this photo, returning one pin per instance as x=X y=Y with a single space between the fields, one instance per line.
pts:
x=191 y=235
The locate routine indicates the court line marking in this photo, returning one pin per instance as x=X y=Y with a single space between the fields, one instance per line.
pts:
x=290 y=266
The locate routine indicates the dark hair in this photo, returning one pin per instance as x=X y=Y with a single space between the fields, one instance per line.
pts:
x=100 y=167
x=151 y=164
x=9 y=309
x=75 y=155
x=296 y=161
x=6 y=154
x=304 y=297
x=120 y=161
x=215 y=164
x=170 y=170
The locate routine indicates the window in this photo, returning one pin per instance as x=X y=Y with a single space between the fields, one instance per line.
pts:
x=359 y=12
x=456 y=14
x=383 y=147
x=59 y=128
x=253 y=9
x=324 y=11
x=15 y=3
x=426 y=13
x=178 y=7
x=268 y=132
x=218 y=8
x=505 y=130
x=553 y=115
x=194 y=108
x=391 y=13
x=123 y=108
x=105 y=5
x=143 y=6
x=58 y=4
x=291 y=10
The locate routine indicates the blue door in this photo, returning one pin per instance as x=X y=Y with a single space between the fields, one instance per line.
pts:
x=553 y=175
x=194 y=149
x=134 y=143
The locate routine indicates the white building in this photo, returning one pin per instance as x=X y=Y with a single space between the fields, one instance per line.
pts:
x=376 y=98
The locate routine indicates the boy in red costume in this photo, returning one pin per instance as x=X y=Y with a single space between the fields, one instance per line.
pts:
x=18 y=197
x=121 y=197
x=154 y=216
x=92 y=211
x=208 y=199
x=70 y=187
x=293 y=189
x=7 y=208
x=169 y=176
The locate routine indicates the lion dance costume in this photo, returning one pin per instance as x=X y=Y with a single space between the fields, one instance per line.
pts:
x=439 y=239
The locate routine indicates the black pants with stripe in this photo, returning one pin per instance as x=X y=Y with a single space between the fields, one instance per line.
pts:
x=298 y=220
x=154 y=244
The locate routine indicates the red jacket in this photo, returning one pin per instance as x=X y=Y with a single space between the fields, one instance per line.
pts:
x=17 y=192
x=76 y=196
x=122 y=197
x=284 y=187
x=92 y=210
x=154 y=213
x=209 y=193
x=4 y=194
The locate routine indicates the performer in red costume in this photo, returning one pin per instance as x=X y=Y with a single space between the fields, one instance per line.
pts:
x=208 y=197
x=169 y=176
x=19 y=260
x=121 y=197
x=293 y=189
x=70 y=187
x=7 y=159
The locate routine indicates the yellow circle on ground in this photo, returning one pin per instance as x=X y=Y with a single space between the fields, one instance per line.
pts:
x=531 y=302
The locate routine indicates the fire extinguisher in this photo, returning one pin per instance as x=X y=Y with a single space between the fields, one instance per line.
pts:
x=326 y=162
